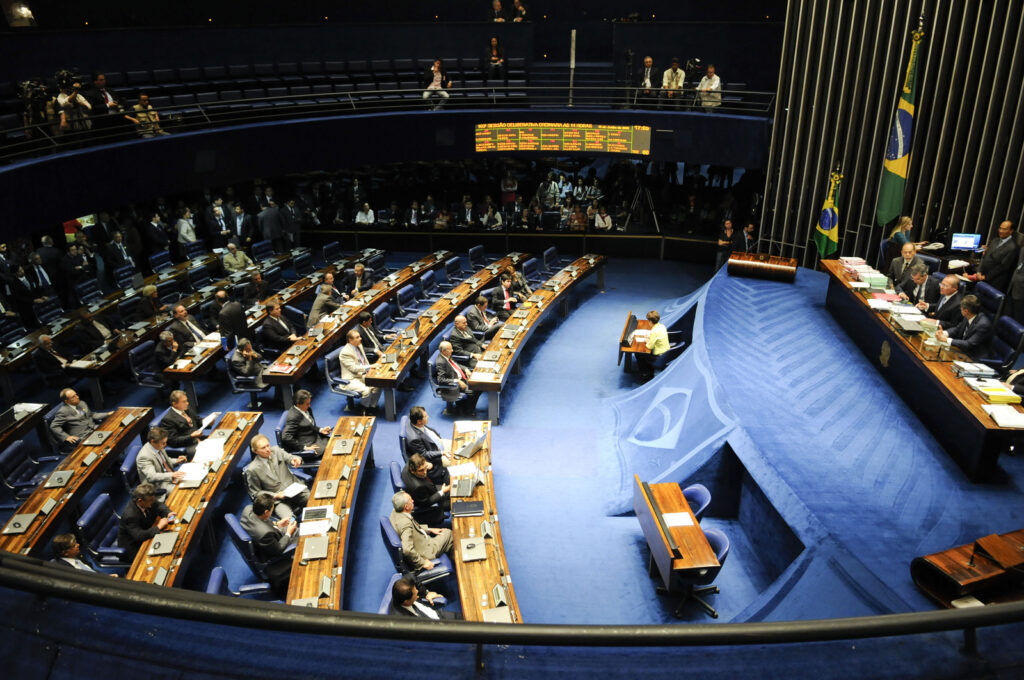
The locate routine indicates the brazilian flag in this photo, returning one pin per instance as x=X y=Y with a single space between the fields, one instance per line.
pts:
x=826 y=236
x=897 y=154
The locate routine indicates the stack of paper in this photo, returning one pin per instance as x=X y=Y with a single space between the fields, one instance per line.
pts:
x=993 y=390
x=879 y=305
x=851 y=261
x=965 y=369
x=1005 y=415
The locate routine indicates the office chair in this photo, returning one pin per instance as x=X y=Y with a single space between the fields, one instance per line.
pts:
x=218 y=585
x=332 y=374
x=19 y=472
x=1007 y=342
x=696 y=586
x=97 y=529
x=243 y=543
x=243 y=383
x=698 y=498
x=385 y=601
x=441 y=572
x=130 y=473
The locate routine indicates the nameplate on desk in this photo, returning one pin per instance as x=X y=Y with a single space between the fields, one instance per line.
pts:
x=520 y=314
x=241 y=424
x=223 y=433
x=311 y=602
x=215 y=465
x=182 y=364
x=296 y=350
x=326 y=489
x=128 y=420
x=188 y=515
x=359 y=430
x=19 y=523
x=48 y=506
x=90 y=459
x=497 y=615
x=390 y=357
x=346 y=471
x=535 y=298
x=432 y=314
x=492 y=355
x=58 y=479
x=416 y=267
x=161 y=576
x=341 y=447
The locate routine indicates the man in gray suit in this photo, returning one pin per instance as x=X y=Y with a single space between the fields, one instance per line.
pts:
x=328 y=298
x=354 y=365
x=155 y=466
x=246 y=361
x=480 y=321
x=999 y=259
x=270 y=539
x=899 y=268
x=421 y=545
x=464 y=342
x=74 y=420
x=269 y=472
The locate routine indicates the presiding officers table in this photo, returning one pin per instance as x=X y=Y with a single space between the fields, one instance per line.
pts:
x=950 y=409
x=193 y=506
x=48 y=506
x=489 y=576
x=347 y=457
x=632 y=342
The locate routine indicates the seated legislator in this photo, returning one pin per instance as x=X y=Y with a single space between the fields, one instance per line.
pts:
x=480 y=321
x=947 y=308
x=74 y=420
x=422 y=439
x=354 y=365
x=503 y=300
x=454 y=378
x=657 y=343
x=973 y=335
x=186 y=328
x=184 y=426
x=143 y=518
x=899 y=268
x=48 y=361
x=922 y=290
x=149 y=305
x=406 y=601
x=68 y=553
x=464 y=342
x=155 y=467
x=278 y=331
x=93 y=332
x=999 y=260
x=374 y=339
x=235 y=260
x=269 y=471
x=270 y=539
x=257 y=289
x=328 y=298
x=300 y=431
x=421 y=545
x=358 y=280
x=166 y=352
x=430 y=500
x=246 y=361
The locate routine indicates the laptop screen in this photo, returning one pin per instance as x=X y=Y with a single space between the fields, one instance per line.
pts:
x=965 y=242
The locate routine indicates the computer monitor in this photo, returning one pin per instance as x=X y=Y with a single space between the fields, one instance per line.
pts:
x=965 y=241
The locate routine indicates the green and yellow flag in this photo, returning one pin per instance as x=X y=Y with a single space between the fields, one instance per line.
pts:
x=897 y=154
x=826 y=236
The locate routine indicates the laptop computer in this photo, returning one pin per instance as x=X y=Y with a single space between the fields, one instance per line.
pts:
x=163 y=543
x=326 y=489
x=314 y=548
x=19 y=523
x=296 y=350
x=473 y=549
x=508 y=335
x=58 y=479
x=97 y=438
x=520 y=314
x=471 y=447
x=492 y=355
x=311 y=514
x=463 y=487
x=468 y=509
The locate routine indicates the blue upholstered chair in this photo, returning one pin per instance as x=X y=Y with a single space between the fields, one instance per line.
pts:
x=243 y=543
x=19 y=472
x=403 y=439
x=218 y=584
x=930 y=261
x=195 y=250
x=698 y=498
x=991 y=298
x=407 y=303
x=695 y=585
x=449 y=395
x=262 y=250
x=385 y=601
x=337 y=384
x=441 y=572
x=477 y=259
x=142 y=363
x=1006 y=344
x=96 y=530
x=332 y=252
x=129 y=472
x=430 y=287
x=243 y=383
x=453 y=272
x=88 y=291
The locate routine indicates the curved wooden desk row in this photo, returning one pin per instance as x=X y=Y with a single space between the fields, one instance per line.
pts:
x=629 y=342
x=298 y=359
x=491 y=376
x=987 y=571
x=20 y=421
x=103 y=360
x=320 y=583
x=194 y=505
x=86 y=463
x=762 y=266
x=386 y=375
x=489 y=576
x=950 y=409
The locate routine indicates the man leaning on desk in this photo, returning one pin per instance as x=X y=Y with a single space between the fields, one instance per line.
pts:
x=154 y=466
x=143 y=518
x=270 y=539
x=973 y=334
x=947 y=308
x=921 y=290
x=74 y=420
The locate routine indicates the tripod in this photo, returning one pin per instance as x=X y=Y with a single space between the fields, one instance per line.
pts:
x=635 y=206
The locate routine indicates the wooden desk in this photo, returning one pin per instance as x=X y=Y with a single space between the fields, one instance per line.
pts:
x=629 y=344
x=287 y=368
x=190 y=368
x=762 y=266
x=556 y=289
x=481 y=576
x=67 y=497
x=202 y=498
x=950 y=409
x=684 y=548
x=987 y=569
x=306 y=581
x=387 y=376
x=33 y=417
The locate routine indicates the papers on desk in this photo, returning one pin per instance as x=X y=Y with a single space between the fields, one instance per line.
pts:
x=879 y=305
x=317 y=527
x=209 y=451
x=80 y=363
x=138 y=326
x=890 y=297
x=994 y=391
x=280 y=367
x=482 y=375
x=294 y=489
x=467 y=469
x=1005 y=415
x=956 y=264
x=354 y=302
x=464 y=426
x=859 y=284
x=678 y=519
x=210 y=342
x=182 y=364
x=193 y=471
x=486 y=365
x=965 y=369
x=208 y=420
x=24 y=408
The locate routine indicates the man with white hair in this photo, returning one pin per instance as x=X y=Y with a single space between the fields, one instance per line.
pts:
x=421 y=545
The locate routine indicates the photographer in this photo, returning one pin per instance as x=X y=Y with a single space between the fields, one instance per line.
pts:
x=72 y=109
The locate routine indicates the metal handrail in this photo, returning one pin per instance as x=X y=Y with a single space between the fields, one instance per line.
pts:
x=39 y=139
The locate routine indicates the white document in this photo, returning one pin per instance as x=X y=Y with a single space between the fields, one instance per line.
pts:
x=678 y=519
x=1005 y=415
x=956 y=264
x=294 y=489
x=317 y=527
x=208 y=420
x=462 y=469
x=880 y=305
x=354 y=303
x=209 y=451
x=859 y=284
x=193 y=471
x=182 y=364
x=485 y=365
x=80 y=363
x=463 y=426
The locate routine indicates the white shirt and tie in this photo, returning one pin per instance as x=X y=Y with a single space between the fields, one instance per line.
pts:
x=647 y=77
x=41 y=276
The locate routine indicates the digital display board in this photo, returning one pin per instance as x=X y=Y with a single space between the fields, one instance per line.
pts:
x=557 y=137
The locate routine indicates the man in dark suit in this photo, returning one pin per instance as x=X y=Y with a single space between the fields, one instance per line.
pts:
x=503 y=300
x=453 y=379
x=374 y=340
x=745 y=239
x=464 y=342
x=242 y=228
x=272 y=226
x=230 y=317
x=106 y=106
x=278 y=331
x=647 y=83
x=74 y=420
x=186 y=328
x=166 y=352
x=51 y=255
x=947 y=308
x=406 y=601
x=920 y=289
x=1000 y=258
x=480 y=321
x=143 y=518
x=422 y=439
x=93 y=332
x=358 y=280
x=116 y=253
x=257 y=289
x=468 y=217
x=300 y=431
x=430 y=500
x=154 y=235
x=1015 y=294
x=973 y=334
x=899 y=268
x=40 y=278
x=184 y=426
x=67 y=553
x=271 y=539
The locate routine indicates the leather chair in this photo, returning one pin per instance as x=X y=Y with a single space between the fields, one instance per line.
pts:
x=441 y=572
x=198 y=277
x=332 y=252
x=262 y=250
x=696 y=584
x=168 y=292
x=302 y=264
x=56 y=446
x=218 y=584
x=19 y=472
x=385 y=601
x=97 y=529
x=123 y=276
x=403 y=439
x=160 y=260
x=552 y=262
x=243 y=383
x=445 y=394
x=532 y=272
x=930 y=261
x=195 y=250
x=992 y=299
x=126 y=309
x=1007 y=341
x=382 y=317
x=273 y=277
x=243 y=543
x=47 y=311
x=698 y=497
x=129 y=472
x=142 y=364
x=477 y=259
x=407 y=303
x=453 y=272
x=332 y=374
x=431 y=290
x=88 y=291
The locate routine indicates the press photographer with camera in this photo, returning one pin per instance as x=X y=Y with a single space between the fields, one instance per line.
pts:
x=72 y=109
